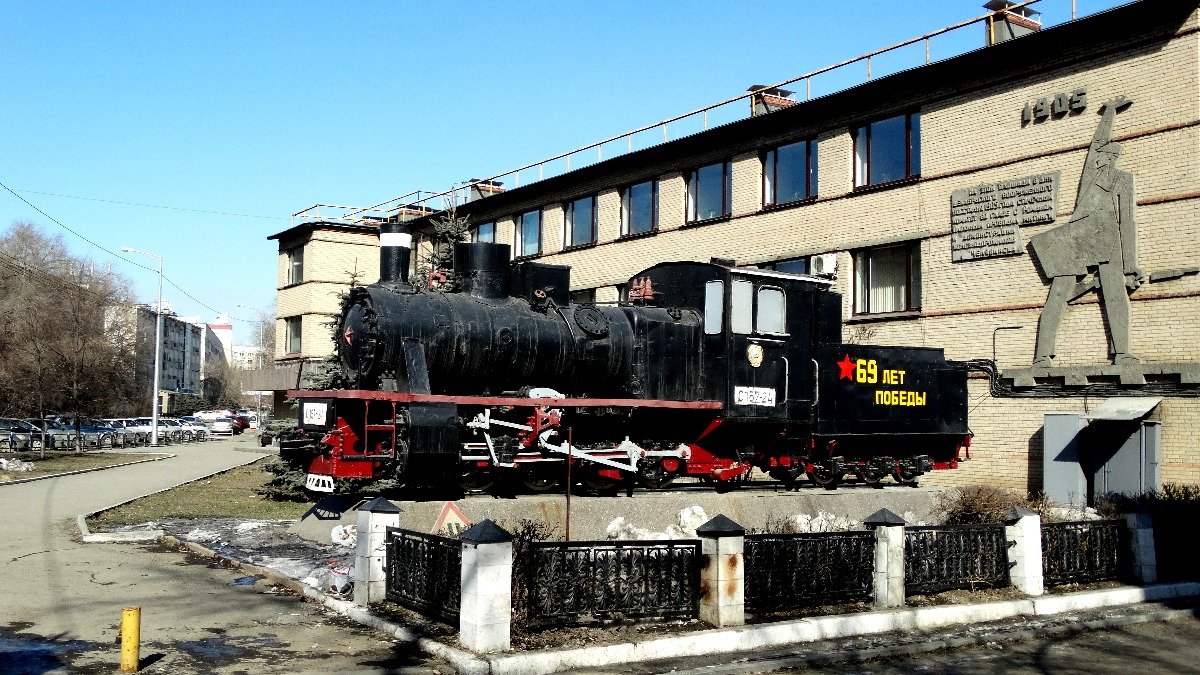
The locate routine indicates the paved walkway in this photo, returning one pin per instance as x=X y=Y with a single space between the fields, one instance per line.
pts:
x=63 y=598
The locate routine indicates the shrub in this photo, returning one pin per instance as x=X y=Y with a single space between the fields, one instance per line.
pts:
x=979 y=504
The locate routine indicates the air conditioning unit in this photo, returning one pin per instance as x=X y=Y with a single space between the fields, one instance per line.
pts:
x=824 y=264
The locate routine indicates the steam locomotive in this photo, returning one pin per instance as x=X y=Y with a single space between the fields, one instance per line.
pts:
x=707 y=371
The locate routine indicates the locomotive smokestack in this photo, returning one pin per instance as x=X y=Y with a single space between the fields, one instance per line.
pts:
x=482 y=269
x=395 y=250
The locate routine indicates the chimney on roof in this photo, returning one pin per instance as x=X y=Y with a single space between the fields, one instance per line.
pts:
x=1009 y=21
x=764 y=99
x=407 y=212
x=484 y=188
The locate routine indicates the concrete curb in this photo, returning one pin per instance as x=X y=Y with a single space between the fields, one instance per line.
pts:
x=147 y=535
x=747 y=638
x=95 y=468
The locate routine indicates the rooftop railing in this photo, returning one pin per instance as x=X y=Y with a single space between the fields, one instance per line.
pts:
x=837 y=77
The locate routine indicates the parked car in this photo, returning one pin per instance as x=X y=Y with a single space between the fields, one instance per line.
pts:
x=166 y=433
x=240 y=423
x=221 y=426
x=252 y=419
x=210 y=415
x=56 y=436
x=134 y=435
x=19 y=435
x=198 y=429
x=92 y=433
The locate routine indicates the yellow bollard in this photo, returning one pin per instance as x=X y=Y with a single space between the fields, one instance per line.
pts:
x=131 y=639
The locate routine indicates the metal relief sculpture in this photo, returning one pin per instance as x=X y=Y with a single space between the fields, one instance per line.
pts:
x=1096 y=249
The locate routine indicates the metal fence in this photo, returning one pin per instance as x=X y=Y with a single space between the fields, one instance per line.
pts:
x=585 y=582
x=946 y=557
x=789 y=571
x=424 y=573
x=1084 y=551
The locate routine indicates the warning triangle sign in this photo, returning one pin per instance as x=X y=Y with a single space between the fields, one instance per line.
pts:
x=451 y=520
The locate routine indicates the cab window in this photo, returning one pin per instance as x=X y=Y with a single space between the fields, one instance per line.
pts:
x=770 y=310
x=714 y=307
x=741 y=306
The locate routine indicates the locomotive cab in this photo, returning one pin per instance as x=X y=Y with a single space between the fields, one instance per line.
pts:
x=760 y=332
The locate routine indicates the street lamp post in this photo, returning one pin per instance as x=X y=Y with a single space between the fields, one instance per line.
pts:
x=158 y=329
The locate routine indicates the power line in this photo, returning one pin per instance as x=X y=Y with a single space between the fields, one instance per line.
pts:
x=153 y=206
x=115 y=255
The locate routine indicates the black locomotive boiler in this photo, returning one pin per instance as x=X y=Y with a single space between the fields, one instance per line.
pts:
x=707 y=371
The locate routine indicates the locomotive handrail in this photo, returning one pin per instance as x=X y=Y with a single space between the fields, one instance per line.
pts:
x=512 y=401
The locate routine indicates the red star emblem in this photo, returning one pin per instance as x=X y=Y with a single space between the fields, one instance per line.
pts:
x=847 y=367
x=349 y=333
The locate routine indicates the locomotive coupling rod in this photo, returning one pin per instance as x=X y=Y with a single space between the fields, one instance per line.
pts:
x=131 y=638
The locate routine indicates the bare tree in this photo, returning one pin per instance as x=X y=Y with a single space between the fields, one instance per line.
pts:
x=58 y=352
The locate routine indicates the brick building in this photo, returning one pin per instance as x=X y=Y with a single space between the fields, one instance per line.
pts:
x=921 y=191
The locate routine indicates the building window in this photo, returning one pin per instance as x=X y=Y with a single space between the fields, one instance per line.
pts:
x=639 y=208
x=790 y=173
x=295 y=259
x=887 y=150
x=584 y=296
x=708 y=190
x=581 y=222
x=793 y=266
x=529 y=233
x=293 y=334
x=887 y=279
x=484 y=232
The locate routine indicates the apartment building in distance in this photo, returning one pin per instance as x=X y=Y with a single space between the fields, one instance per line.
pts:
x=1031 y=206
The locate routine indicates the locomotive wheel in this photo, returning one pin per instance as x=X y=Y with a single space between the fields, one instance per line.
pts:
x=599 y=484
x=652 y=475
x=788 y=475
x=473 y=482
x=873 y=479
x=540 y=480
x=905 y=476
x=823 y=476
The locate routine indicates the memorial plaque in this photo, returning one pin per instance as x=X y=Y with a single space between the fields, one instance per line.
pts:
x=985 y=219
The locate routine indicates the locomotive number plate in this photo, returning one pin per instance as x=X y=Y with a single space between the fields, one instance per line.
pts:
x=754 y=396
x=314 y=413
x=318 y=483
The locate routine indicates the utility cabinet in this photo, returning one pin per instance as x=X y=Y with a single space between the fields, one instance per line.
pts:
x=1086 y=455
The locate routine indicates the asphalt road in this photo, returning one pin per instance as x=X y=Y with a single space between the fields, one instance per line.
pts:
x=63 y=598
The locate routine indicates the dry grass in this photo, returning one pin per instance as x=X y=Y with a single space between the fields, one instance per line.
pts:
x=63 y=462
x=232 y=494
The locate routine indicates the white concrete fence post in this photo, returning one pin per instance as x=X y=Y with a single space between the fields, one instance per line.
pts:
x=485 y=604
x=722 y=572
x=1141 y=544
x=889 y=557
x=1023 y=529
x=370 y=578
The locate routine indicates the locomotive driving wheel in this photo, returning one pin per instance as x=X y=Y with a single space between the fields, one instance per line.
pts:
x=905 y=475
x=824 y=476
x=474 y=480
x=654 y=475
x=540 y=479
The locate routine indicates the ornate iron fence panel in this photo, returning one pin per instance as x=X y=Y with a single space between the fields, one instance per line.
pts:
x=424 y=573
x=581 y=582
x=945 y=557
x=789 y=571
x=1084 y=551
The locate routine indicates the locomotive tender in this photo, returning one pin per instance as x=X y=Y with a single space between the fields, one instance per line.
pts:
x=708 y=371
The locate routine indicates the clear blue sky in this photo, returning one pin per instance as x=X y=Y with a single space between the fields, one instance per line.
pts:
x=262 y=109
